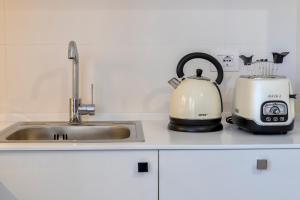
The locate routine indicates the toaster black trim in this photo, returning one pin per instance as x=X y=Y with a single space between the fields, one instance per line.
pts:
x=251 y=126
x=264 y=118
x=188 y=125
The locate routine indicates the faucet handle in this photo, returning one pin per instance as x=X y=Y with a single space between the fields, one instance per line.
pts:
x=88 y=109
x=92 y=93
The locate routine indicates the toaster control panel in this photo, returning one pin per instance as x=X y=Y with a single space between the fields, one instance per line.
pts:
x=274 y=112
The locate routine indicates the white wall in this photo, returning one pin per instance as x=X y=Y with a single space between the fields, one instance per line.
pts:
x=2 y=56
x=298 y=60
x=129 y=48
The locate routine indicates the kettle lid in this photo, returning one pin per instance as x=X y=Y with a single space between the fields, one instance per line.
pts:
x=199 y=76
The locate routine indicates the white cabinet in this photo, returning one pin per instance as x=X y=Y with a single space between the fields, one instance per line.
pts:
x=78 y=175
x=183 y=175
x=229 y=174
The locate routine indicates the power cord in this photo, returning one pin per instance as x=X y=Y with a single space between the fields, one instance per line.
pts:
x=229 y=120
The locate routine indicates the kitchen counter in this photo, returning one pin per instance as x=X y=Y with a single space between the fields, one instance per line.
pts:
x=157 y=136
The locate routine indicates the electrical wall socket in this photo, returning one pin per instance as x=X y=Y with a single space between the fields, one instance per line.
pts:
x=229 y=63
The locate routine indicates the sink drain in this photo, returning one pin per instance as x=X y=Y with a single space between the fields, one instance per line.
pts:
x=60 y=137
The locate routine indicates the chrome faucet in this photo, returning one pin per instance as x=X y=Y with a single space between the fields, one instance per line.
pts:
x=76 y=108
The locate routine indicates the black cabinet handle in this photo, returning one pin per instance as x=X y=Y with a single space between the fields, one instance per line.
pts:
x=143 y=167
x=262 y=164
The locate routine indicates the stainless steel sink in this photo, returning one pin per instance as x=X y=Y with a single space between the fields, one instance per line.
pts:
x=63 y=132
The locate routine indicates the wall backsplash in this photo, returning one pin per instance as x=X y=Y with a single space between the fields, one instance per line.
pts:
x=129 y=49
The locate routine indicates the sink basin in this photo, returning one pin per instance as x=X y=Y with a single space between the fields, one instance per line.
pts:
x=63 y=132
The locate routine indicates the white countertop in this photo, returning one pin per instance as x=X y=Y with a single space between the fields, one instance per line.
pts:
x=157 y=136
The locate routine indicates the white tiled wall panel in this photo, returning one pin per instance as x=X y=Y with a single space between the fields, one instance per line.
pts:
x=298 y=60
x=2 y=21
x=2 y=81
x=38 y=77
x=2 y=60
x=129 y=49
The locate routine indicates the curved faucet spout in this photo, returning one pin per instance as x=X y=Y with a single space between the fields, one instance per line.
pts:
x=76 y=107
x=73 y=55
x=73 y=52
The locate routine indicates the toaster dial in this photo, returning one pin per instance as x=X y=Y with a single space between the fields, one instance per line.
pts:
x=274 y=112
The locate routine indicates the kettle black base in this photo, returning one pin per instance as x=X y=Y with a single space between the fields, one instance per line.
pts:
x=195 y=126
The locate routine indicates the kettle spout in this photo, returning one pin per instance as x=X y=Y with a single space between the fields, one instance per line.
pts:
x=174 y=82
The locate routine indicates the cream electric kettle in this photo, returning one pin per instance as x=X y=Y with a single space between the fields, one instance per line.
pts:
x=196 y=102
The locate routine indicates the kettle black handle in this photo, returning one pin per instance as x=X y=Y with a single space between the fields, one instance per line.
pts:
x=204 y=56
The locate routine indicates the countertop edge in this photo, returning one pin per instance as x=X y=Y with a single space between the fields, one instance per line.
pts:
x=129 y=147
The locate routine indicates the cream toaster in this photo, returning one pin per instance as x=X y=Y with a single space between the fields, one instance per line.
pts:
x=264 y=104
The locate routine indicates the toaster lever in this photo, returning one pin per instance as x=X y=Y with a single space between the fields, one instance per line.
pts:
x=293 y=96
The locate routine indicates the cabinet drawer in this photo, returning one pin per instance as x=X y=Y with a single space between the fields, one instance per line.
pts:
x=229 y=174
x=79 y=175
